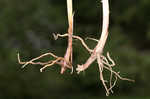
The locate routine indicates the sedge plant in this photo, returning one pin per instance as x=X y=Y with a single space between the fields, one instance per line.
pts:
x=96 y=54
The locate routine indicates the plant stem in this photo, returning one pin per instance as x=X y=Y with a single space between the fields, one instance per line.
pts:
x=68 y=55
x=101 y=43
x=103 y=38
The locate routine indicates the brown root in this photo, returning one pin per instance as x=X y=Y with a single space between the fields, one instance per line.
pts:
x=57 y=60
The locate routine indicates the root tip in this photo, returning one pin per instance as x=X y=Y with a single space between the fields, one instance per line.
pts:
x=41 y=70
x=79 y=69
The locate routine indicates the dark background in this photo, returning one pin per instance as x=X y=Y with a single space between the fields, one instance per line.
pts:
x=26 y=26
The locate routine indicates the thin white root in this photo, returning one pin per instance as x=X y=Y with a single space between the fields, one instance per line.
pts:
x=32 y=60
x=100 y=65
x=109 y=66
x=111 y=60
x=105 y=63
x=111 y=86
x=117 y=74
x=93 y=39
x=71 y=70
x=83 y=43
x=52 y=63
x=57 y=60
x=59 y=35
x=76 y=37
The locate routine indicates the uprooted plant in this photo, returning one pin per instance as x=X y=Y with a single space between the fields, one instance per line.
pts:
x=103 y=62
x=66 y=61
x=97 y=54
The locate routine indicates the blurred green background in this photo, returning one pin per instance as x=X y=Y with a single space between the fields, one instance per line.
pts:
x=26 y=26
